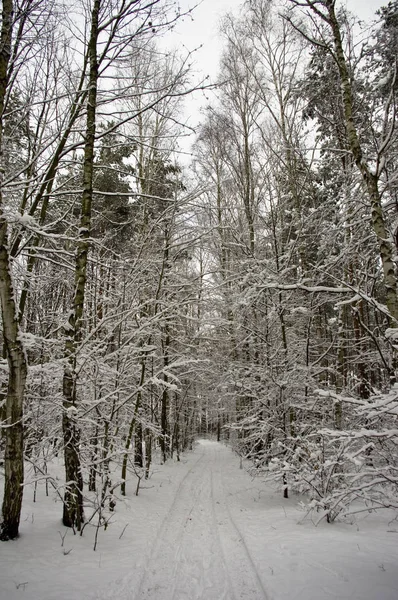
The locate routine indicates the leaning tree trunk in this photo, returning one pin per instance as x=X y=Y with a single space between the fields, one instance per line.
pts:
x=369 y=179
x=73 y=515
x=13 y=432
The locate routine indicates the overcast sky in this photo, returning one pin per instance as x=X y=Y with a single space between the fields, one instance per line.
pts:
x=202 y=28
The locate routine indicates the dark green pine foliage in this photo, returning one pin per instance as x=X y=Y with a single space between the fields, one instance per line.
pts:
x=113 y=175
x=387 y=44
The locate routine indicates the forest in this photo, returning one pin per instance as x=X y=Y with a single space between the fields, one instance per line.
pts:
x=245 y=290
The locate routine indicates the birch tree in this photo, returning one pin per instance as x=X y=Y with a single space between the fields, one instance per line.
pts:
x=17 y=366
x=325 y=12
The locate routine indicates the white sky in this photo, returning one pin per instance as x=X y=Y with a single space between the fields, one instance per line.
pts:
x=202 y=28
x=200 y=31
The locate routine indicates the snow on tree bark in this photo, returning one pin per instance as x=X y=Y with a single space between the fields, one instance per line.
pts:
x=17 y=365
x=73 y=514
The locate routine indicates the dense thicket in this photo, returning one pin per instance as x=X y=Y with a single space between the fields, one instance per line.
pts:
x=250 y=294
x=301 y=155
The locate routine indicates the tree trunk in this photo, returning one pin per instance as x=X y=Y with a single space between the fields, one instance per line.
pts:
x=17 y=365
x=165 y=397
x=138 y=448
x=131 y=429
x=148 y=453
x=73 y=515
x=369 y=179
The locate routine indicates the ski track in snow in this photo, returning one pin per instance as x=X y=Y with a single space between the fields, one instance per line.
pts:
x=201 y=529
x=199 y=552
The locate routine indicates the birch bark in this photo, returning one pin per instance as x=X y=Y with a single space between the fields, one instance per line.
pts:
x=17 y=365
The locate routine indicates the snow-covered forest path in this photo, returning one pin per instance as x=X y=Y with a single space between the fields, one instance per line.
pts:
x=225 y=536
x=199 y=552
x=200 y=529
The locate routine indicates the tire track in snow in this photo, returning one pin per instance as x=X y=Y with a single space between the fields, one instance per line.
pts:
x=186 y=562
x=136 y=591
x=246 y=580
x=217 y=532
x=205 y=567
x=199 y=552
x=161 y=535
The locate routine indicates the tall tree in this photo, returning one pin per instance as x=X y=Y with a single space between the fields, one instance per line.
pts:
x=332 y=41
x=13 y=491
x=73 y=514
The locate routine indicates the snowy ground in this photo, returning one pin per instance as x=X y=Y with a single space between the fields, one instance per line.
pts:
x=202 y=530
